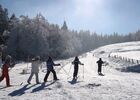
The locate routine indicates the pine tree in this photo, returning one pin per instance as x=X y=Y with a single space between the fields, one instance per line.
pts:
x=64 y=27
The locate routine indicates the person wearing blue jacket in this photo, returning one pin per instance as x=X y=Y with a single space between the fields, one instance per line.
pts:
x=50 y=68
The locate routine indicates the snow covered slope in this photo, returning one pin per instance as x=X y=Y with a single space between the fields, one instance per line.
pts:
x=129 y=49
x=125 y=56
x=115 y=85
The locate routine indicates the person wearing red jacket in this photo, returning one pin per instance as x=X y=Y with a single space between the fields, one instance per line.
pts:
x=5 y=71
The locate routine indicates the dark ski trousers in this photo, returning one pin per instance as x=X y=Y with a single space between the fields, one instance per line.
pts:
x=75 y=72
x=7 y=79
x=99 y=69
x=48 y=72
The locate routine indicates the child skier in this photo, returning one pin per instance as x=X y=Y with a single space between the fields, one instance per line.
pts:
x=76 y=62
x=50 y=68
x=35 y=69
x=100 y=62
x=5 y=71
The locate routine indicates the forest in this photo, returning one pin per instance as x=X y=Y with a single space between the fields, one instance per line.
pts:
x=23 y=37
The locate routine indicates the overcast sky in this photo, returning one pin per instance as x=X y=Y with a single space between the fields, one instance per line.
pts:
x=101 y=16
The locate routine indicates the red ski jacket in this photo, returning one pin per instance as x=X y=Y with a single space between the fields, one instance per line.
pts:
x=5 y=69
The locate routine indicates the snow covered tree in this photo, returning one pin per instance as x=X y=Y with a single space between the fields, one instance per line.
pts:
x=3 y=19
x=36 y=36
x=3 y=23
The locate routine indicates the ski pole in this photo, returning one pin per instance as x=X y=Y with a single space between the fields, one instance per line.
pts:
x=69 y=72
x=27 y=61
x=70 y=69
x=65 y=71
x=83 y=71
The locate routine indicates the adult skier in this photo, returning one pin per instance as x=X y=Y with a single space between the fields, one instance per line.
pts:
x=76 y=62
x=5 y=70
x=36 y=63
x=100 y=62
x=50 y=68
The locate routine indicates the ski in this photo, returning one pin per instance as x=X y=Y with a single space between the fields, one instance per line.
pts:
x=101 y=74
x=3 y=87
x=16 y=84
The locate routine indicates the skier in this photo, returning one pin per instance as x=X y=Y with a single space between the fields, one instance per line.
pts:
x=36 y=63
x=100 y=62
x=50 y=68
x=76 y=67
x=5 y=71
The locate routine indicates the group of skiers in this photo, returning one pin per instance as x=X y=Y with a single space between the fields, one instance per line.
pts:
x=50 y=68
x=36 y=62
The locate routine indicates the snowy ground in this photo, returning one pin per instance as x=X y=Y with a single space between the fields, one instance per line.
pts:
x=115 y=85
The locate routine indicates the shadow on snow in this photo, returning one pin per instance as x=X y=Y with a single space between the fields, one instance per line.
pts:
x=134 y=69
x=20 y=91
x=41 y=87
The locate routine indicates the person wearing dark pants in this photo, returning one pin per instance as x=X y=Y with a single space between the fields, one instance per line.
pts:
x=100 y=62
x=48 y=72
x=50 y=68
x=76 y=62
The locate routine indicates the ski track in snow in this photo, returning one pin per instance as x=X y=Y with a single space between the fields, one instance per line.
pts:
x=115 y=85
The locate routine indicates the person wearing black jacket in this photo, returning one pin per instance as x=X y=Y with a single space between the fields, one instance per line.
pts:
x=76 y=63
x=50 y=68
x=100 y=62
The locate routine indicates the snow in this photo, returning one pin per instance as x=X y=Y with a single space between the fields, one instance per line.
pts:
x=128 y=54
x=115 y=85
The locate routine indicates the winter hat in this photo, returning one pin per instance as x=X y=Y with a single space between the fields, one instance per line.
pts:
x=37 y=58
x=8 y=58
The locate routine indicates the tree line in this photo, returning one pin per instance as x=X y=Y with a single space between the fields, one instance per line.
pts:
x=27 y=37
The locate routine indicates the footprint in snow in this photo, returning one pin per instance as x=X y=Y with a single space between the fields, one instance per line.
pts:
x=92 y=85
